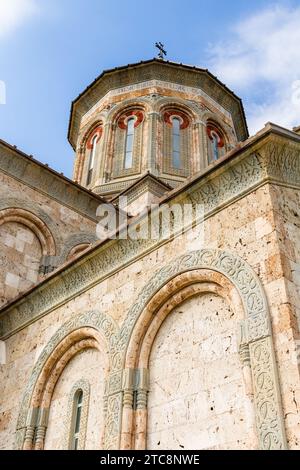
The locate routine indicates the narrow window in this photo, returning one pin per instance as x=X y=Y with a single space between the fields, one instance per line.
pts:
x=92 y=159
x=176 y=142
x=129 y=144
x=215 y=145
x=76 y=419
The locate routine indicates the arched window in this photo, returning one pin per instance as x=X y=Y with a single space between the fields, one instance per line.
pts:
x=216 y=142
x=215 y=145
x=129 y=144
x=92 y=159
x=77 y=411
x=176 y=142
x=176 y=161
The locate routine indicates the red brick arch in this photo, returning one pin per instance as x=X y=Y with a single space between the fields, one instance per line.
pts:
x=97 y=131
x=185 y=122
x=138 y=114
x=213 y=128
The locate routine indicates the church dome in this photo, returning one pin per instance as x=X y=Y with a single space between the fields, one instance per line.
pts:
x=158 y=117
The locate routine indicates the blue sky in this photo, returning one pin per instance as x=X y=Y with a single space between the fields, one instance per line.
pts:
x=50 y=50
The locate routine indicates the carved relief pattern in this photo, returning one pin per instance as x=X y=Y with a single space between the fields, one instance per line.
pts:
x=211 y=194
x=266 y=394
x=113 y=421
x=96 y=320
x=282 y=161
x=23 y=169
x=257 y=326
x=229 y=264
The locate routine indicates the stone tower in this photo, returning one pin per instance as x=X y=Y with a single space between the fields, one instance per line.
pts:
x=179 y=342
x=163 y=119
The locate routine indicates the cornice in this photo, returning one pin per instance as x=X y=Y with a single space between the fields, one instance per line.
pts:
x=271 y=157
x=40 y=177
x=160 y=70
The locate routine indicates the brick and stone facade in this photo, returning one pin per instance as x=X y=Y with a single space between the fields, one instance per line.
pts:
x=190 y=342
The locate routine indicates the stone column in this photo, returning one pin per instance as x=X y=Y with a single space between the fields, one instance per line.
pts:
x=244 y=353
x=41 y=429
x=261 y=382
x=109 y=151
x=152 y=118
x=102 y=160
x=113 y=402
x=30 y=429
x=141 y=409
x=127 y=413
x=79 y=162
x=245 y=360
x=201 y=154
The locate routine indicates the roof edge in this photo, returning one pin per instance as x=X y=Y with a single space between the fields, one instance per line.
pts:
x=47 y=168
x=269 y=128
x=147 y=62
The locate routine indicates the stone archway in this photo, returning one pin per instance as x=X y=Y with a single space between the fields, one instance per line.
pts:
x=89 y=330
x=34 y=223
x=184 y=276
x=256 y=343
x=25 y=242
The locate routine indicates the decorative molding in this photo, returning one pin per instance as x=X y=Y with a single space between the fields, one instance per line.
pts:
x=113 y=187
x=100 y=322
x=76 y=239
x=34 y=175
x=229 y=264
x=227 y=184
x=266 y=395
x=156 y=86
x=147 y=184
x=282 y=160
x=120 y=383
x=255 y=305
x=33 y=209
x=263 y=364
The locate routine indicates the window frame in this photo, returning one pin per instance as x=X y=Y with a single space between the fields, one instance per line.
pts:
x=128 y=150
x=92 y=160
x=176 y=142
x=76 y=419
x=216 y=141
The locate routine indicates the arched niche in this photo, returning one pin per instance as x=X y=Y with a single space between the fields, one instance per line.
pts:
x=168 y=288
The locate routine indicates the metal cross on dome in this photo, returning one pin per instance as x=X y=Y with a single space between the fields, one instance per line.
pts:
x=161 y=48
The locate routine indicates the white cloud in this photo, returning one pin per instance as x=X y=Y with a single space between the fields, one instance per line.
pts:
x=13 y=13
x=264 y=51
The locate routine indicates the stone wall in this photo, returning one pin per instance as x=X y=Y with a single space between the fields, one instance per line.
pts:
x=88 y=367
x=246 y=227
x=197 y=396
x=20 y=260
x=285 y=296
x=37 y=233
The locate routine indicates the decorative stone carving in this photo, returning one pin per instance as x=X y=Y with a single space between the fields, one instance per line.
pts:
x=224 y=187
x=266 y=391
x=105 y=325
x=256 y=331
x=266 y=395
x=21 y=167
